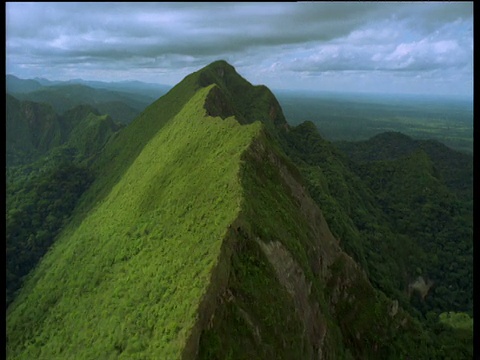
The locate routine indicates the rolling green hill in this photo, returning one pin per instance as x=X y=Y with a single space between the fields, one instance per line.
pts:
x=202 y=237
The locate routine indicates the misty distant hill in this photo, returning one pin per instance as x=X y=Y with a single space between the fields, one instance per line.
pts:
x=17 y=85
x=123 y=101
x=122 y=107
x=152 y=90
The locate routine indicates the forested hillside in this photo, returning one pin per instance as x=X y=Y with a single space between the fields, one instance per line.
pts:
x=426 y=191
x=46 y=173
x=210 y=228
x=33 y=129
x=408 y=220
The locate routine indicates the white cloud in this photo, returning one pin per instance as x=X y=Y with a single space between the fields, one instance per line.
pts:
x=268 y=41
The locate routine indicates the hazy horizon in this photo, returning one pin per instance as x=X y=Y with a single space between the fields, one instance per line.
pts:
x=383 y=47
x=292 y=91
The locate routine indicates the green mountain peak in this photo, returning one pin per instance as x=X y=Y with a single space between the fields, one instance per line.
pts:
x=199 y=239
x=250 y=103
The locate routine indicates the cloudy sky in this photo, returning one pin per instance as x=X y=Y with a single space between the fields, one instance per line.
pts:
x=404 y=47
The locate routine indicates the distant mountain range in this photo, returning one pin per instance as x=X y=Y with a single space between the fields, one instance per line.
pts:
x=123 y=101
x=17 y=85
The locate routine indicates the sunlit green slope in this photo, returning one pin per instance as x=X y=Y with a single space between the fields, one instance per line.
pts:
x=127 y=282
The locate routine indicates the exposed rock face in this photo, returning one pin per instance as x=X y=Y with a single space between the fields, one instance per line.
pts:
x=217 y=104
x=324 y=247
x=325 y=317
x=394 y=308
x=292 y=277
x=421 y=286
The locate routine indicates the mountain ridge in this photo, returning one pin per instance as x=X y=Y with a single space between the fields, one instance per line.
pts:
x=19 y=85
x=144 y=210
x=198 y=197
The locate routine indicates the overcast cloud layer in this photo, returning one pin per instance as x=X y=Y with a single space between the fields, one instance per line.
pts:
x=422 y=47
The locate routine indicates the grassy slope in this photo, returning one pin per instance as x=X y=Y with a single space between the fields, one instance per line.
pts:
x=146 y=250
x=126 y=145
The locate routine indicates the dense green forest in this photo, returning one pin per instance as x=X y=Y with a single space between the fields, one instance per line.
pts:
x=38 y=206
x=426 y=191
x=396 y=217
x=33 y=129
x=407 y=217
x=46 y=173
x=263 y=239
